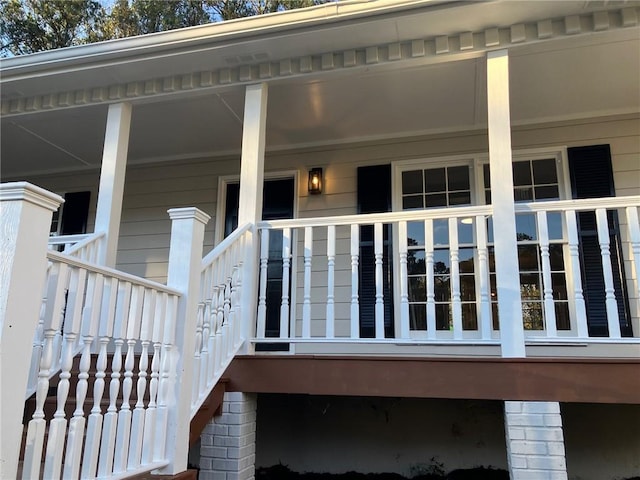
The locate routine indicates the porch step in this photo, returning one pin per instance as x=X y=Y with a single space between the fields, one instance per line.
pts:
x=186 y=475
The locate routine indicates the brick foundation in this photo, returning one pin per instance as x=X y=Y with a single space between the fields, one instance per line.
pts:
x=228 y=442
x=535 y=443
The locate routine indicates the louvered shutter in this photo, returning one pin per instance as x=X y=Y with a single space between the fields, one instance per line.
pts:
x=592 y=177
x=374 y=196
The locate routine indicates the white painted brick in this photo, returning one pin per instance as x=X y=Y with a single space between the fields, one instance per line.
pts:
x=547 y=434
x=239 y=430
x=556 y=448
x=513 y=407
x=226 y=465
x=205 y=463
x=213 y=452
x=203 y=475
x=247 y=473
x=525 y=420
x=220 y=429
x=529 y=475
x=206 y=439
x=540 y=407
x=518 y=461
x=528 y=448
x=517 y=433
x=546 y=462
x=553 y=420
x=241 y=452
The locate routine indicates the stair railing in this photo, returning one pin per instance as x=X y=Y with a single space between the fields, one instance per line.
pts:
x=218 y=332
x=119 y=314
x=84 y=247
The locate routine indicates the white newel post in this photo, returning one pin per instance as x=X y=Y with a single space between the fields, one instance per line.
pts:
x=504 y=219
x=185 y=261
x=25 y=218
x=112 y=173
x=250 y=205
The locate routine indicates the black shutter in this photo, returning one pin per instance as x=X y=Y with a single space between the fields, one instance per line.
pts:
x=592 y=177
x=374 y=196
x=75 y=212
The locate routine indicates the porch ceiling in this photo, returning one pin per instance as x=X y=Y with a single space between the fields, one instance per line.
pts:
x=574 y=78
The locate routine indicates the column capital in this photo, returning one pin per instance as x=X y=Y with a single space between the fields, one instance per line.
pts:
x=185 y=213
x=25 y=191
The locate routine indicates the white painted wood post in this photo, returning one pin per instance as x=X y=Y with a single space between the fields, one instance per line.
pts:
x=112 y=173
x=504 y=219
x=250 y=205
x=24 y=229
x=185 y=258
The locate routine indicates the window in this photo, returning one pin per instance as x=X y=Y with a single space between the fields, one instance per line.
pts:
x=436 y=187
x=442 y=291
x=533 y=180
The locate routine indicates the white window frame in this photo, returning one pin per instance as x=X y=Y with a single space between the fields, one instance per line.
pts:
x=475 y=162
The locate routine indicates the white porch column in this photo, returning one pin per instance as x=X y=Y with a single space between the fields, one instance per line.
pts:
x=185 y=260
x=24 y=230
x=504 y=226
x=250 y=205
x=114 y=164
x=535 y=441
x=228 y=442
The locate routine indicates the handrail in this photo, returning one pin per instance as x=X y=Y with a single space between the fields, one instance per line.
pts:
x=110 y=272
x=65 y=239
x=83 y=243
x=387 y=217
x=581 y=204
x=223 y=245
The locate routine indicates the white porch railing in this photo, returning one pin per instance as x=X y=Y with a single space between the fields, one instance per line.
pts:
x=102 y=309
x=85 y=246
x=218 y=332
x=443 y=279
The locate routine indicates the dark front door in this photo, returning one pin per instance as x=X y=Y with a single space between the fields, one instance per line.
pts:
x=277 y=204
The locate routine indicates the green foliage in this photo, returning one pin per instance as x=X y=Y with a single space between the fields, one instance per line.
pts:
x=28 y=26
x=32 y=25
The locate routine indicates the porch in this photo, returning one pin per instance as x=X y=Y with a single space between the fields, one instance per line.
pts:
x=458 y=248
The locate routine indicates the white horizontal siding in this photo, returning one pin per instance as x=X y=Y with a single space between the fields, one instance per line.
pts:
x=151 y=189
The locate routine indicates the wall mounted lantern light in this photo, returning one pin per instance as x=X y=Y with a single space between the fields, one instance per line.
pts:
x=315 y=181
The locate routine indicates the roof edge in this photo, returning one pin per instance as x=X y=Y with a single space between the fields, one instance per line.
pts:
x=217 y=32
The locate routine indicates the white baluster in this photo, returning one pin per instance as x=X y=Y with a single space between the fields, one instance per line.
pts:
x=197 y=355
x=404 y=279
x=431 y=303
x=240 y=252
x=286 y=266
x=110 y=420
x=634 y=239
x=262 y=295
x=483 y=272
x=456 y=305
x=58 y=426
x=150 y=417
x=331 y=261
x=549 y=307
x=355 y=302
x=166 y=382
x=576 y=276
x=137 y=423
x=306 y=303
x=379 y=306
x=610 y=297
x=37 y=425
x=123 y=433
